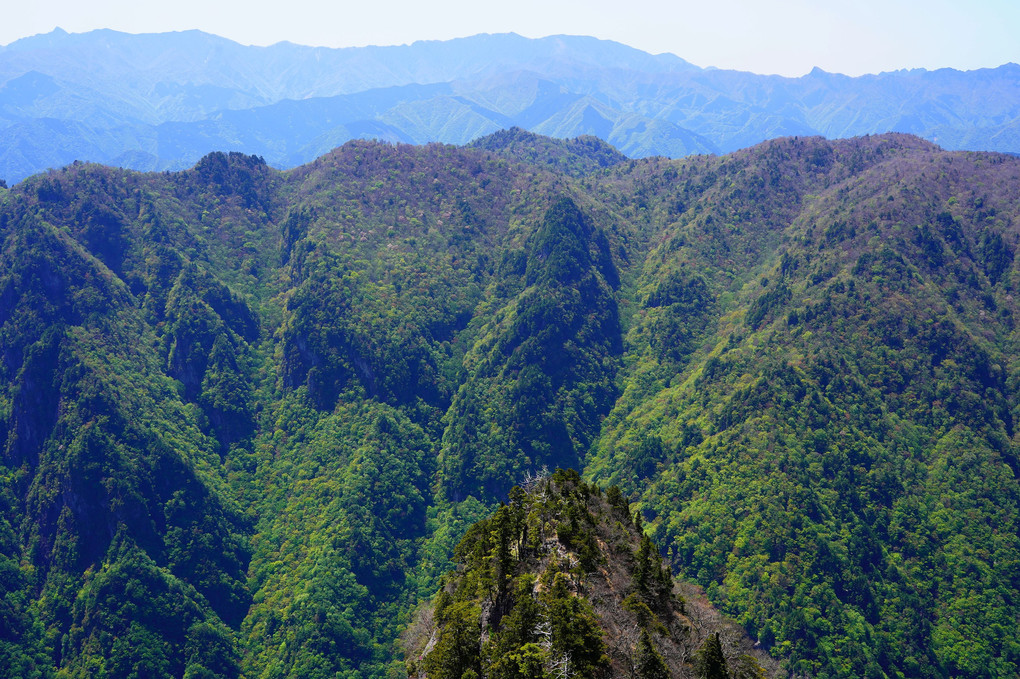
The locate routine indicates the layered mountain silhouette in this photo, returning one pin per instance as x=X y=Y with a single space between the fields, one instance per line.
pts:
x=162 y=101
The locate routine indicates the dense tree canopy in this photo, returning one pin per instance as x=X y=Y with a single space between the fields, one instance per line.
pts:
x=247 y=416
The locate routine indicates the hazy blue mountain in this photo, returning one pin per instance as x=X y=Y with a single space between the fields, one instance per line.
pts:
x=185 y=75
x=162 y=101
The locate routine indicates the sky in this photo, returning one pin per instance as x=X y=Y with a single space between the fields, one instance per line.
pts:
x=788 y=38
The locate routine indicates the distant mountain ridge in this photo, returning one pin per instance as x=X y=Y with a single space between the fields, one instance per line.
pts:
x=162 y=101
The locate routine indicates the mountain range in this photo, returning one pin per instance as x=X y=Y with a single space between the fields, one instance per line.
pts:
x=162 y=101
x=248 y=415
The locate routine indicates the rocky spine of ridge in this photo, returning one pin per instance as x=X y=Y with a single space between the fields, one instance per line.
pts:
x=561 y=581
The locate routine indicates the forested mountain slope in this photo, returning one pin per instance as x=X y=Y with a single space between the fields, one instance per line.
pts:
x=246 y=415
x=832 y=451
x=561 y=581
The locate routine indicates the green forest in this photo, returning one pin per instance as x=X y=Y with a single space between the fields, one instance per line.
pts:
x=251 y=419
x=562 y=581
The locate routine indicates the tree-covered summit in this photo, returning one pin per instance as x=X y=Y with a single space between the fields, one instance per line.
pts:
x=560 y=581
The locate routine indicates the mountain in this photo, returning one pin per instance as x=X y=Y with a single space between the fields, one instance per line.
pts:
x=577 y=157
x=162 y=101
x=247 y=415
x=183 y=76
x=562 y=581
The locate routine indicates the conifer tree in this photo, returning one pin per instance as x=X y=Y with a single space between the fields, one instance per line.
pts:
x=648 y=664
x=709 y=662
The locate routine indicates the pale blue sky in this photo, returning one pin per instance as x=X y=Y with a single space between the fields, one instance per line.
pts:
x=790 y=37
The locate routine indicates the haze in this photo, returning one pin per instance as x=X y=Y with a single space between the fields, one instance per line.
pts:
x=787 y=38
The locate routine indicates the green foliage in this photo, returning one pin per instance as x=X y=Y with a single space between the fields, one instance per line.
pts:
x=648 y=664
x=683 y=308
x=576 y=635
x=526 y=662
x=358 y=484
x=748 y=668
x=543 y=369
x=762 y=306
x=133 y=619
x=576 y=157
x=709 y=662
x=22 y=651
x=247 y=416
x=522 y=580
x=458 y=652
